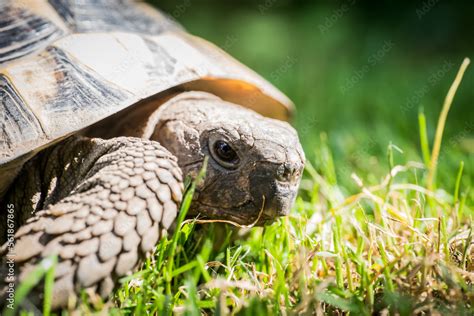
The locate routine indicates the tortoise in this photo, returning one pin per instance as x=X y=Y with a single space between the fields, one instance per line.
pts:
x=105 y=107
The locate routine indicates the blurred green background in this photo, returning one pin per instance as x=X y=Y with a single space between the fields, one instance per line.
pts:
x=358 y=71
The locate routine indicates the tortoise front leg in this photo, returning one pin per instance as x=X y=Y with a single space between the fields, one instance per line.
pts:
x=126 y=195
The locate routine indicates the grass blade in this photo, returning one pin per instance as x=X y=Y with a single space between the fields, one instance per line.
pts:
x=425 y=147
x=441 y=123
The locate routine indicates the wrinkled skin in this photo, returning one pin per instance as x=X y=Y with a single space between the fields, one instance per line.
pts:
x=101 y=204
x=270 y=157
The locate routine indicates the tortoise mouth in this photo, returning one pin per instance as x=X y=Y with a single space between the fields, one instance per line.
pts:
x=246 y=213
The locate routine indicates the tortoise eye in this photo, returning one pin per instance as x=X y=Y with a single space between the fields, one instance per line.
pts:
x=223 y=153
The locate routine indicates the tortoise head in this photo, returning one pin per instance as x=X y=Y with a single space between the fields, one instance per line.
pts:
x=255 y=163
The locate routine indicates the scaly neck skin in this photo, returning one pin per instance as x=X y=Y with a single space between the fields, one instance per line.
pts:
x=9 y=172
x=269 y=158
x=49 y=177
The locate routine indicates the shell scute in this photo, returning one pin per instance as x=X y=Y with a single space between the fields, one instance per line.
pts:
x=100 y=57
x=18 y=125
x=22 y=32
x=105 y=16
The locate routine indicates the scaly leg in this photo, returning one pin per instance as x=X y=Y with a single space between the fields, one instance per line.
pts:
x=102 y=205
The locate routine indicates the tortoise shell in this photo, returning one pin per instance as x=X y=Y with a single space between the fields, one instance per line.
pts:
x=66 y=64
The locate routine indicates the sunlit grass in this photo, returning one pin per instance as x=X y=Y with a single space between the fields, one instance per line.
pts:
x=384 y=248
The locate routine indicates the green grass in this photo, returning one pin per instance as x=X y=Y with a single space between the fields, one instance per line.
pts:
x=397 y=247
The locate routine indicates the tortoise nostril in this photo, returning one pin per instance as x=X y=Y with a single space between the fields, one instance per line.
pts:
x=287 y=172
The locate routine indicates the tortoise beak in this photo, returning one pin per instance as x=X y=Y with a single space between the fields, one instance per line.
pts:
x=277 y=202
x=276 y=190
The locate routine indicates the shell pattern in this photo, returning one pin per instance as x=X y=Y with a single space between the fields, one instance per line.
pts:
x=66 y=64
